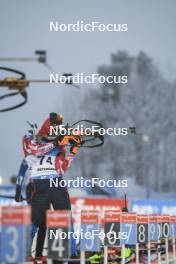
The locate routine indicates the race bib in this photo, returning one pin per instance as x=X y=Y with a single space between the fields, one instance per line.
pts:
x=39 y=166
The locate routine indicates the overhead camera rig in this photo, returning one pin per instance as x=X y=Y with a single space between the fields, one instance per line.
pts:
x=19 y=83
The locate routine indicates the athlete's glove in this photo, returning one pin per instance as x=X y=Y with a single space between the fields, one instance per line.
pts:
x=18 y=196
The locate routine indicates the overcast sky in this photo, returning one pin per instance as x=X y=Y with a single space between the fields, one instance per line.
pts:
x=24 y=27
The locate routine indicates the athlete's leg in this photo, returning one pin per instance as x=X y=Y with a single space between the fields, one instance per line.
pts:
x=61 y=201
x=59 y=198
x=40 y=204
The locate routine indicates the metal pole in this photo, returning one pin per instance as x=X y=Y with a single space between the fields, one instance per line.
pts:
x=159 y=253
x=82 y=257
x=123 y=253
x=105 y=255
x=149 y=253
x=17 y=59
x=167 y=250
x=39 y=81
x=137 y=253
x=174 y=251
x=48 y=81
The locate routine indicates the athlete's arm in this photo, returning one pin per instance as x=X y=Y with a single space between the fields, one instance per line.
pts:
x=64 y=161
x=20 y=179
x=29 y=147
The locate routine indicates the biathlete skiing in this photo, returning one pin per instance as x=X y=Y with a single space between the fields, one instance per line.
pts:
x=44 y=160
